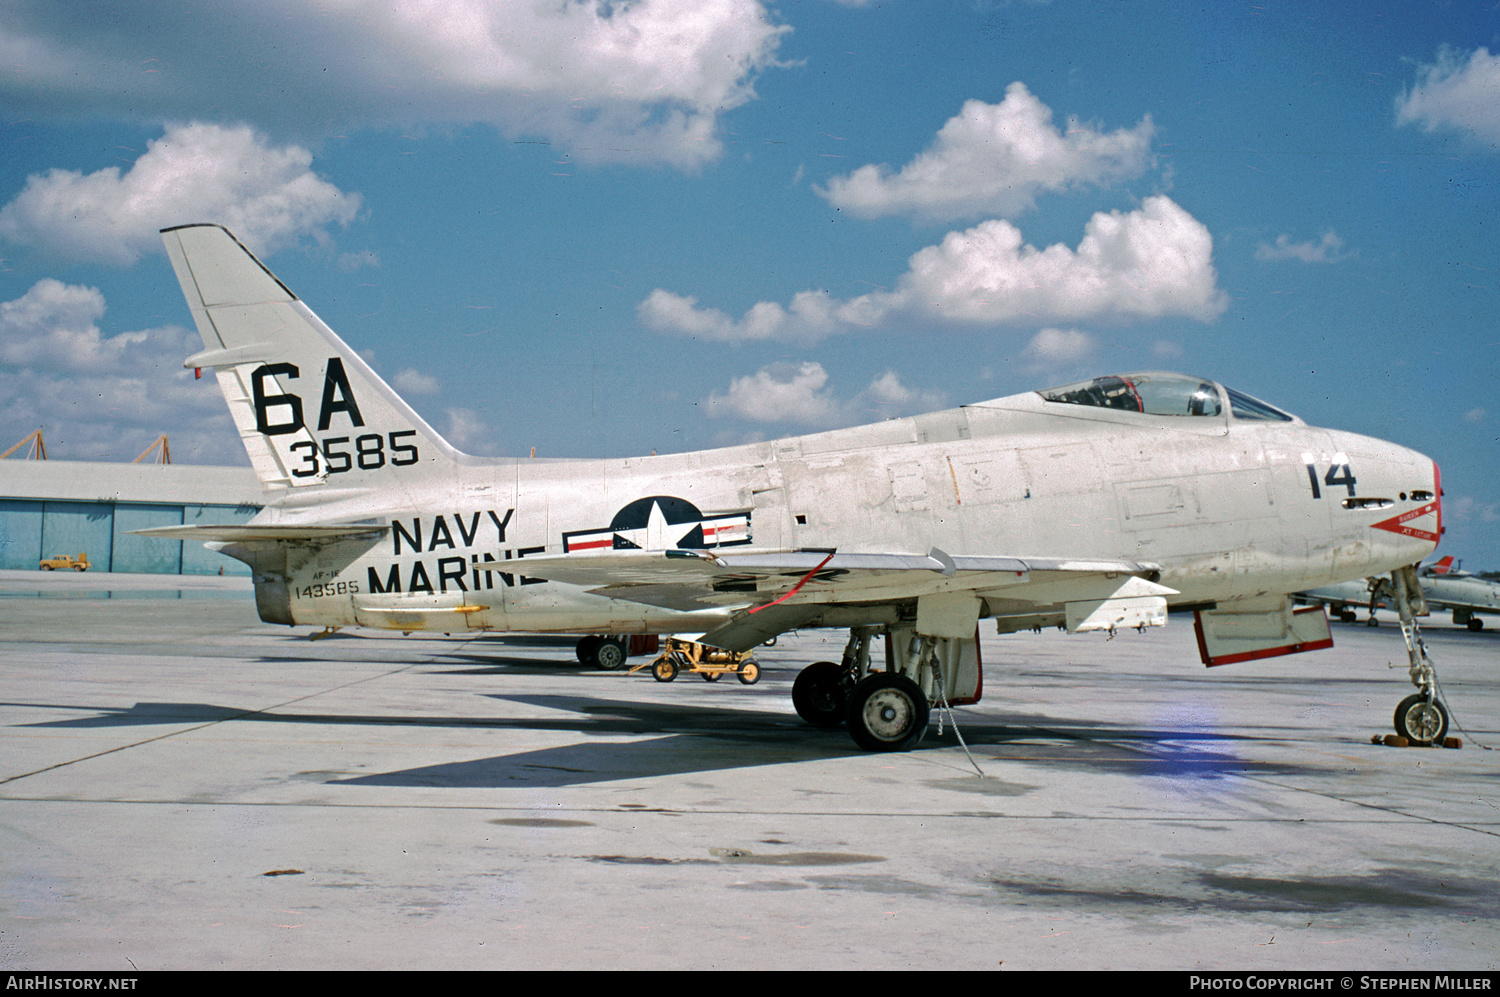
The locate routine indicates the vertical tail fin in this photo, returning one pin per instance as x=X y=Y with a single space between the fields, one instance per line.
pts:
x=309 y=411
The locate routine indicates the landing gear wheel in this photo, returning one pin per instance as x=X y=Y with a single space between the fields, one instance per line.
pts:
x=610 y=654
x=749 y=673
x=887 y=712
x=1347 y=616
x=586 y=648
x=1421 y=722
x=819 y=694
x=1475 y=624
x=665 y=670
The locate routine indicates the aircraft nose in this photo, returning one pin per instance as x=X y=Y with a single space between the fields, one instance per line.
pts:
x=1437 y=492
x=1408 y=493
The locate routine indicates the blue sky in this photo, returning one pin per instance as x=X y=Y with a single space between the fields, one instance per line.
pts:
x=601 y=229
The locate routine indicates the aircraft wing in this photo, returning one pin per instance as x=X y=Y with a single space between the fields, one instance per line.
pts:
x=1464 y=593
x=770 y=592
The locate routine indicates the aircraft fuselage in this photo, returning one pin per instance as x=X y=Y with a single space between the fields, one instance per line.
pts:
x=1228 y=508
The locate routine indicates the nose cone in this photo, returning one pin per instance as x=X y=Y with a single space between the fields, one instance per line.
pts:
x=1397 y=493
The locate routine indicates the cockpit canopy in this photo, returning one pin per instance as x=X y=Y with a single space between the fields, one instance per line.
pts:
x=1162 y=393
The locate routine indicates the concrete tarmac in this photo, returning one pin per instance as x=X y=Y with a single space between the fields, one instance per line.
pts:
x=183 y=786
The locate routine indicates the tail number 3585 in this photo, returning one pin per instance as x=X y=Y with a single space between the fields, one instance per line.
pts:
x=370 y=453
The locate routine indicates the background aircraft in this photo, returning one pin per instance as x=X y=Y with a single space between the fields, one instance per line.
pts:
x=1093 y=507
x=1443 y=585
x=1467 y=595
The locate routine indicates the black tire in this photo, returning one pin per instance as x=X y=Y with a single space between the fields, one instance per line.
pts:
x=821 y=694
x=749 y=673
x=1475 y=624
x=1347 y=616
x=586 y=648
x=887 y=712
x=665 y=670
x=610 y=654
x=1421 y=722
x=711 y=676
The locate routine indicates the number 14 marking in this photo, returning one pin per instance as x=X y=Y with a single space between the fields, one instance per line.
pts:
x=1338 y=474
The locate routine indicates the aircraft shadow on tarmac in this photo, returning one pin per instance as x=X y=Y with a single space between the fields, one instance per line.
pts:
x=496 y=664
x=695 y=738
x=1384 y=891
x=678 y=754
x=464 y=664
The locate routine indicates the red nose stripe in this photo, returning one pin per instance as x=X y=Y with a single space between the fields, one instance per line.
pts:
x=1397 y=524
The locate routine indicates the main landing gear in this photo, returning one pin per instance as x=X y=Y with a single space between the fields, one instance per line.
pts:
x=887 y=710
x=608 y=653
x=1420 y=718
x=1466 y=618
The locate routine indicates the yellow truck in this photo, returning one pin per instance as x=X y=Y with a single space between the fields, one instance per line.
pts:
x=79 y=563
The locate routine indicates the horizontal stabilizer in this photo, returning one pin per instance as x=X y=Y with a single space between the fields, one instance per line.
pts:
x=240 y=533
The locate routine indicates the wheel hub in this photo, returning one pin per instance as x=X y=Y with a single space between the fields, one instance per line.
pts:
x=1424 y=721
x=889 y=715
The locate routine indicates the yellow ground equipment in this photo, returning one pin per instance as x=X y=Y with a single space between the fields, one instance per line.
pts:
x=79 y=563
x=713 y=663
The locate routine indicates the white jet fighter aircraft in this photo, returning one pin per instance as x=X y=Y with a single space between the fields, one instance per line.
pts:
x=1094 y=506
x=1443 y=586
x=1466 y=594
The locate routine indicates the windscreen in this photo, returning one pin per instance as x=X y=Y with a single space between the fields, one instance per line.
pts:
x=1244 y=407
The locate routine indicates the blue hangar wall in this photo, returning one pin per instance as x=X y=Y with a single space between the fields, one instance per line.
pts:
x=56 y=507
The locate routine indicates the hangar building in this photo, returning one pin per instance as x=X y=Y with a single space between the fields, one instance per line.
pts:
x=51 y=507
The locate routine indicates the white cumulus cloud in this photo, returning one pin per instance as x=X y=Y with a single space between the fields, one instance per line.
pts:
x=1468 y=509
x=268 y=196
x=994 y=159
x=782 y=392
x=799 y=394
x=811 y=315
x=642 y=80
x=1328 y=249
x=1152 y=262
x=468 y=428
x=104 y=397
x=413 y=382
x=1456 y=93
x=1060 y=345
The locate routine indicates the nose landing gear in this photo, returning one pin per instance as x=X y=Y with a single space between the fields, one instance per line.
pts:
x=1422 y=721
x=1420 y=718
